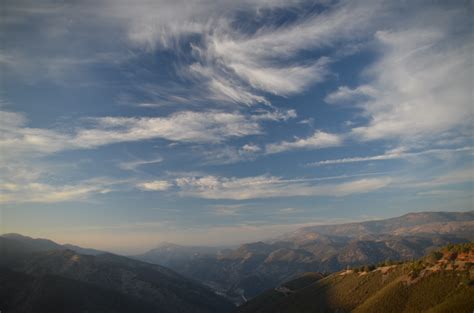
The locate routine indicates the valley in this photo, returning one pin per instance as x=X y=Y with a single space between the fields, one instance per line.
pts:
x=242 y=273
x=330 y=268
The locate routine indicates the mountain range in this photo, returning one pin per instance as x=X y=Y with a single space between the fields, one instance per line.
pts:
x=38 y=275
x=242 y=273
x=441 y=282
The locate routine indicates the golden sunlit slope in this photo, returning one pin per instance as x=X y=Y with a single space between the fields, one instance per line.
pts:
x=440 y=282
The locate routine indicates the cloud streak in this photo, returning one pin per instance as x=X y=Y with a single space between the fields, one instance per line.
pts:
x=185 y=126
x=155 y=185
x=213 y=187
x=37 y=192
x=133 y=165
x=458 y=176
x=241 y=66
x=391 y=155
x=316 y=141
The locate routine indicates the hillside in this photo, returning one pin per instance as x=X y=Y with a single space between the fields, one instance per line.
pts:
x=40 y=244
x=169 y=254
x=245 y=272
x=461 y=223
x=137 y=284
x=440 y=282
x=21 y=292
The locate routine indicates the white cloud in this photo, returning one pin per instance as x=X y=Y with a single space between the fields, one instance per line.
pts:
x=240 y=66
x=252 y=64
x=17 y=139
x=421 y=85
x=213 y=187
x=156 y=185
x=287 y=211
x=224 y=154
x=182 y=126
x=250 y=148
x=283 y=81
x=391 y=155
x=275 y=115
x=185 y=126
x=228 y=209
x=441 y=193
x=38 y=192
x=318 y=140
x=344 y=94
x=132 y=165
x=224 y=88
x=457 y=176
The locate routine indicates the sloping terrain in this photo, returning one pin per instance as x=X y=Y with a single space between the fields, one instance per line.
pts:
x=428 y=285
x=169 y=254
x=247 y=271
x=461 y=223
x=21 y=292
x=39 y=244
x=136 y=283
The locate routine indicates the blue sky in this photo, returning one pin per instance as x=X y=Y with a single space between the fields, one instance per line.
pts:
x=220 y=122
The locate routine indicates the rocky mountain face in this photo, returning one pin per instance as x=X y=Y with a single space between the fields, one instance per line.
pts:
x=440 y=282
x=42 y=269
x=170 y=254
x=461 y=223
x=245 y=272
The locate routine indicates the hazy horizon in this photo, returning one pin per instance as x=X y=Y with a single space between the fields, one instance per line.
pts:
x=124 y=245
x=224 y=122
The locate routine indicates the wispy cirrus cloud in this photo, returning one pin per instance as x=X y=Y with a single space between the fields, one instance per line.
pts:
x=185 y=126
x=214 y=187
x=408 y=95
x=232 y=62
x=41 y=192
x=392 y=155
x=155 y=185
x=225 y=154
x=228 y=209
x=457 y=176
x=16 y=138
x=250 y=148
x=441 y=193
x=345 y=94
x=318 y=140
x=132 y=165
x=238 y=65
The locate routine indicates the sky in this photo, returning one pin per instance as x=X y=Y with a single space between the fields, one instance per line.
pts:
x=125 y=124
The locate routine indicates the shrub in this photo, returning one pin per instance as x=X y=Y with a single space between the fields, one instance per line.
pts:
x=434 y=256
x=468 y=265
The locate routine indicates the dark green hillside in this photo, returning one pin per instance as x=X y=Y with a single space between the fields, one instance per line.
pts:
x=303 y=281
x=15 y=245
x=165 y=289
x=441 y=282
x=21 y=292
x=38 y=278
